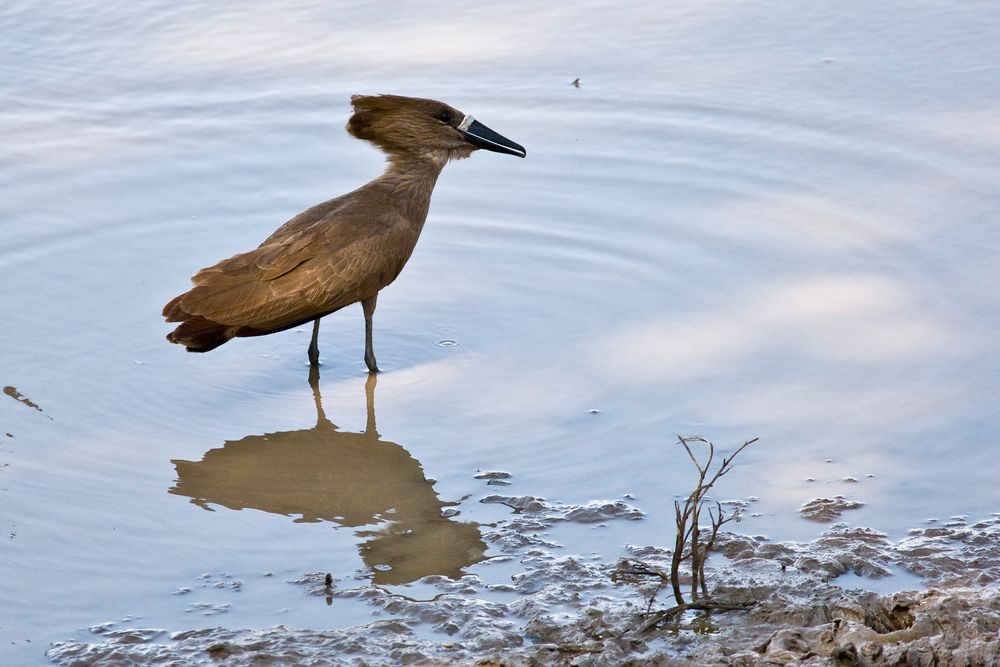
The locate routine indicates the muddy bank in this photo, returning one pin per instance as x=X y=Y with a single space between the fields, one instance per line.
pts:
x=568 y=609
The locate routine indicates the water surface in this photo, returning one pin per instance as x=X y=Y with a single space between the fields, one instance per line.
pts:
x=747 y=221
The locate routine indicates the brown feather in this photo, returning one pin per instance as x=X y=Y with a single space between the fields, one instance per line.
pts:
x=200 y=335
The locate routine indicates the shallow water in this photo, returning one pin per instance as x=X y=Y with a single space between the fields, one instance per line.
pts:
x=769 y=221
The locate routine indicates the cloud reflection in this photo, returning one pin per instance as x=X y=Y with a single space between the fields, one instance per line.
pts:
x=281 y=38
x=844 y=319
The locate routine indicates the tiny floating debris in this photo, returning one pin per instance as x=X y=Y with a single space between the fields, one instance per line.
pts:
x=495 y=478
x=493 y=474
x=575 y=82
x=518 y=503
x=21 y=398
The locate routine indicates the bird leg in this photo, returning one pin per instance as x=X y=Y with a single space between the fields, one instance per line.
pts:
x=368 y=305
x=314 y=345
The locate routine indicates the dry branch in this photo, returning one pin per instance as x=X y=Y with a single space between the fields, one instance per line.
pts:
x=688 y=543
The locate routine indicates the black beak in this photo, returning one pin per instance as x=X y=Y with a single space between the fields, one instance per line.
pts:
x=481 y=136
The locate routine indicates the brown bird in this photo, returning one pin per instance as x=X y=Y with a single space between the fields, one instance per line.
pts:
x=344 y=250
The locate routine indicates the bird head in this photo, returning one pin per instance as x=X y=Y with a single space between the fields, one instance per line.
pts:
x=417 y=128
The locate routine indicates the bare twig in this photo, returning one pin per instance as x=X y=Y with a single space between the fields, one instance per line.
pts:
x=656 y=618
x=688 y=519
x=689 y=542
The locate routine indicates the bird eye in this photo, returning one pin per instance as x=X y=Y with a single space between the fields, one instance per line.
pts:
x=445 y=117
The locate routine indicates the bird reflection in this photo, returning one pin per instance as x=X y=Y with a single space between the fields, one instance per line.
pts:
x=352 y=479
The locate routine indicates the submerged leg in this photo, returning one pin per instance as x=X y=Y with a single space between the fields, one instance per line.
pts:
x=314 y=345
x=369 y=307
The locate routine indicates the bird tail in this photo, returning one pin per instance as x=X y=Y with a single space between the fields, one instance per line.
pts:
x=195 y=332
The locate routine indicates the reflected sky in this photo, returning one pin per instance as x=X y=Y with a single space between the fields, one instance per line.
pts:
x=351 y=479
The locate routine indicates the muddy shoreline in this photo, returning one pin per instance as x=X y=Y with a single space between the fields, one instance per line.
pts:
x=566 y=609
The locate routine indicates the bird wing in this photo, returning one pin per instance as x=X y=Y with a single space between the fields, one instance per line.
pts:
x=312 y=270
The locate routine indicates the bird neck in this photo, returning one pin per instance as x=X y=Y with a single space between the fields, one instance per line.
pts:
x=411 y=180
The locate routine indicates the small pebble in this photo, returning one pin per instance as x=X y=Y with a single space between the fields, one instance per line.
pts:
x=503 y=588
x=493 y=474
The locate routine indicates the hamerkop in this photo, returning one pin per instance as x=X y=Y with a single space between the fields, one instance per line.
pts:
x=344 y=250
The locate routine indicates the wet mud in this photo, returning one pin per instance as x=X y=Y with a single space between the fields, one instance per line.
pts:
x=825 y=510
x=569 y=609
